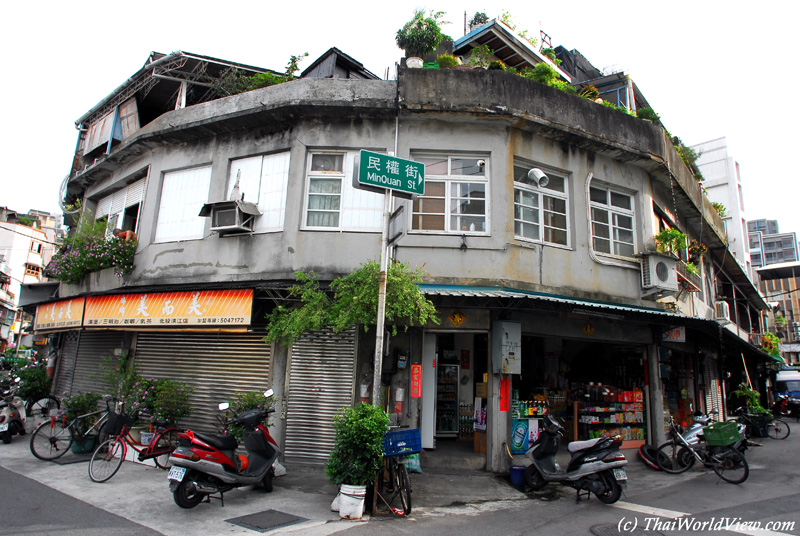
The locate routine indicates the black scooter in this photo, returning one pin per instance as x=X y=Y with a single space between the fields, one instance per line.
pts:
x=596 y=465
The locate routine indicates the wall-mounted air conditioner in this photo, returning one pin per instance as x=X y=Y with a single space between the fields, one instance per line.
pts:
x=722 y=312
x=231 y=216
x=659 y=272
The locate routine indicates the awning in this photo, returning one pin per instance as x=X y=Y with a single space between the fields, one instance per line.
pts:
x=599 y=309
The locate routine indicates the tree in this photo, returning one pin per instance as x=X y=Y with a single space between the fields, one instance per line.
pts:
x=354 y=302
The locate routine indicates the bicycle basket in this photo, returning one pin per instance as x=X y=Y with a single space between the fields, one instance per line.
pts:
x=116 y=421
x=721 y=433
x=402 y=442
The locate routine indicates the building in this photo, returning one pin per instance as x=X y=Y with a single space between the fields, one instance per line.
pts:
x=546 y=289
x=775 y=255
x=723 y=185
x=25 y=250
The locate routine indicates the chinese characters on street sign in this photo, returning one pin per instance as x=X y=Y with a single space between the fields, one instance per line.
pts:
x=384 y=171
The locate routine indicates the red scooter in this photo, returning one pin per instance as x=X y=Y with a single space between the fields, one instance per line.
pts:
x=207 y=464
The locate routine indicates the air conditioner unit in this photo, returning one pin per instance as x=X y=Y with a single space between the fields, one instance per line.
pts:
x=659 y=272
x=231 y=216
x=722 y=312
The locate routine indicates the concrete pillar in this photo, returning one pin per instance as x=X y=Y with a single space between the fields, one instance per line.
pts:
x=656 y=396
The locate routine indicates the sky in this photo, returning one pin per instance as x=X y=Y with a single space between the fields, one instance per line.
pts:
x=709 y=68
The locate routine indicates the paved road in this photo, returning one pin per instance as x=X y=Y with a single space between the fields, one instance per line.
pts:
x=60 y=499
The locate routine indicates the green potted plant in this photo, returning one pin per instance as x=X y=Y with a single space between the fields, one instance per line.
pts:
x=670 y=241
x=420 y=36
x=357 y=454
x=74 y=406
x=241 y=402
x=447 y=61
x=481 y=56
x=171 y=401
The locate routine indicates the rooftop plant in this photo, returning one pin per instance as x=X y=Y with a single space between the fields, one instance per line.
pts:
x=235 y=81
x=481 y=56
x=447 y=61
x=422 y=34
x=670 y=241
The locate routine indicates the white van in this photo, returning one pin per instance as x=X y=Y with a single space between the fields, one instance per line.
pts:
x=787 y=382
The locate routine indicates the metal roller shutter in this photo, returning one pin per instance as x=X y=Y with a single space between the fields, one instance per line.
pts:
x=322 y=373
x=92 y=348
x=216 y=364
x=66 y=363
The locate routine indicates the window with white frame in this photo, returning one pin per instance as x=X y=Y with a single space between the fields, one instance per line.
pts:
x=456 y=195
x=121 y=209
x=612 y=221
x=183 y=194
x=540 y=212
x=263 y=180
x=331 y=201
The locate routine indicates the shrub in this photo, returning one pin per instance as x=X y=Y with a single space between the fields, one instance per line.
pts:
x=497 y=65
x=589 y=92
x=33 y=383
x=357 y=455
x=172 y=401
x=649 y=114
x=447 y=61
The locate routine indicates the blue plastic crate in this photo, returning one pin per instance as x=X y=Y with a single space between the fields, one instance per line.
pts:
x=399 y=442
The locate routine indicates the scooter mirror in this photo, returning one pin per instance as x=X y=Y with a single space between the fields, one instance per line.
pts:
x=268 y=393
x=16 y=380
x=224 y=406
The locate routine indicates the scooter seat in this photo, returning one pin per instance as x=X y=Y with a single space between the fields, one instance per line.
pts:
x=575 y=446
x=222 y=442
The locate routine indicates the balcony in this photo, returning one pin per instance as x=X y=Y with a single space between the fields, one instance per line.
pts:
x=691 y=281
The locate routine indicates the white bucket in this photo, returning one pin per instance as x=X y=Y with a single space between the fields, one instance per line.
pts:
x=351 y=501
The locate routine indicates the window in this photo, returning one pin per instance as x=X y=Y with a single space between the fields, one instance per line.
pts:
x=32 y=269
x=121 y=209
x=456 y=195
x=332 y=203
x=183 y=194
x=263 y=180
x=36 y=247
x=612 y=221
x=540 y=212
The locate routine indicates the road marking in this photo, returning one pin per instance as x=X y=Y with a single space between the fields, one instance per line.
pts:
x=660 y=512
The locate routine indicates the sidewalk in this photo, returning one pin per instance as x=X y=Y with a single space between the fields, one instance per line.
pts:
x=140 y=493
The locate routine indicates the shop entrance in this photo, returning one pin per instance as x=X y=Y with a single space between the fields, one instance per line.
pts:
x=597 y=388
x=455 y=366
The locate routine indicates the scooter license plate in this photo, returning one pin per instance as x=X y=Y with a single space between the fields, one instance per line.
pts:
x=620 y=474
x=176 y=473
x=3 y=427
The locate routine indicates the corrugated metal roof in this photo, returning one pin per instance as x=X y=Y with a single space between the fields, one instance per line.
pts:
x=496 y=292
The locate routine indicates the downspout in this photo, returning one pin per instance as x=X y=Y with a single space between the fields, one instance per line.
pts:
x=592 y=253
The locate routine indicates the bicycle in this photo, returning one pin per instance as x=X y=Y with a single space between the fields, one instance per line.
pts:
x=393 y=482
x=41 y=408
x=109 y=455
x=53 y=438
x=763 y=423
x=717 y=451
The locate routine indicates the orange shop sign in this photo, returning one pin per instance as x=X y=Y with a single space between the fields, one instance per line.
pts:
x=62 y=314
x=199 y=308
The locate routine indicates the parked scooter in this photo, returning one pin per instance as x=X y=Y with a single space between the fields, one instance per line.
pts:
x=206 y=464
x=596 y=465
x=786 y=406
x=12 y=413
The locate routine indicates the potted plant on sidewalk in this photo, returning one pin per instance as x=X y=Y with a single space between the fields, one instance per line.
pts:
x=74 y=406
x=357 y=455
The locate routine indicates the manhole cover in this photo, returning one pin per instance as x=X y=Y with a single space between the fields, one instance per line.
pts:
x=266 y=520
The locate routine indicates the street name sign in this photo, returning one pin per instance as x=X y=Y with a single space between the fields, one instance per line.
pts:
x=376 y=170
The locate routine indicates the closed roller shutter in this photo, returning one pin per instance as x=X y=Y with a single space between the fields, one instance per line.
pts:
x=321 y=383
x=216 y=364
x=92 y=348
x=66 y=363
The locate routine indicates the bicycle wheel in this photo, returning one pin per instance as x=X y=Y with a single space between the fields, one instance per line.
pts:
x=730 y=465
x=106 y=460
x=51 y=440
x=43 y=408
x=403 y=487
x=778 y=429
x=674 y=458
x=165 y=442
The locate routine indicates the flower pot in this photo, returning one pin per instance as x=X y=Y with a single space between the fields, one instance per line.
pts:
x=414 y=62
x=86 y=446
x=136 y=432
x=351 y=501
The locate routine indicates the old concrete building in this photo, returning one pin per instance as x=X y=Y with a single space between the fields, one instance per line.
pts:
x=546 y=289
